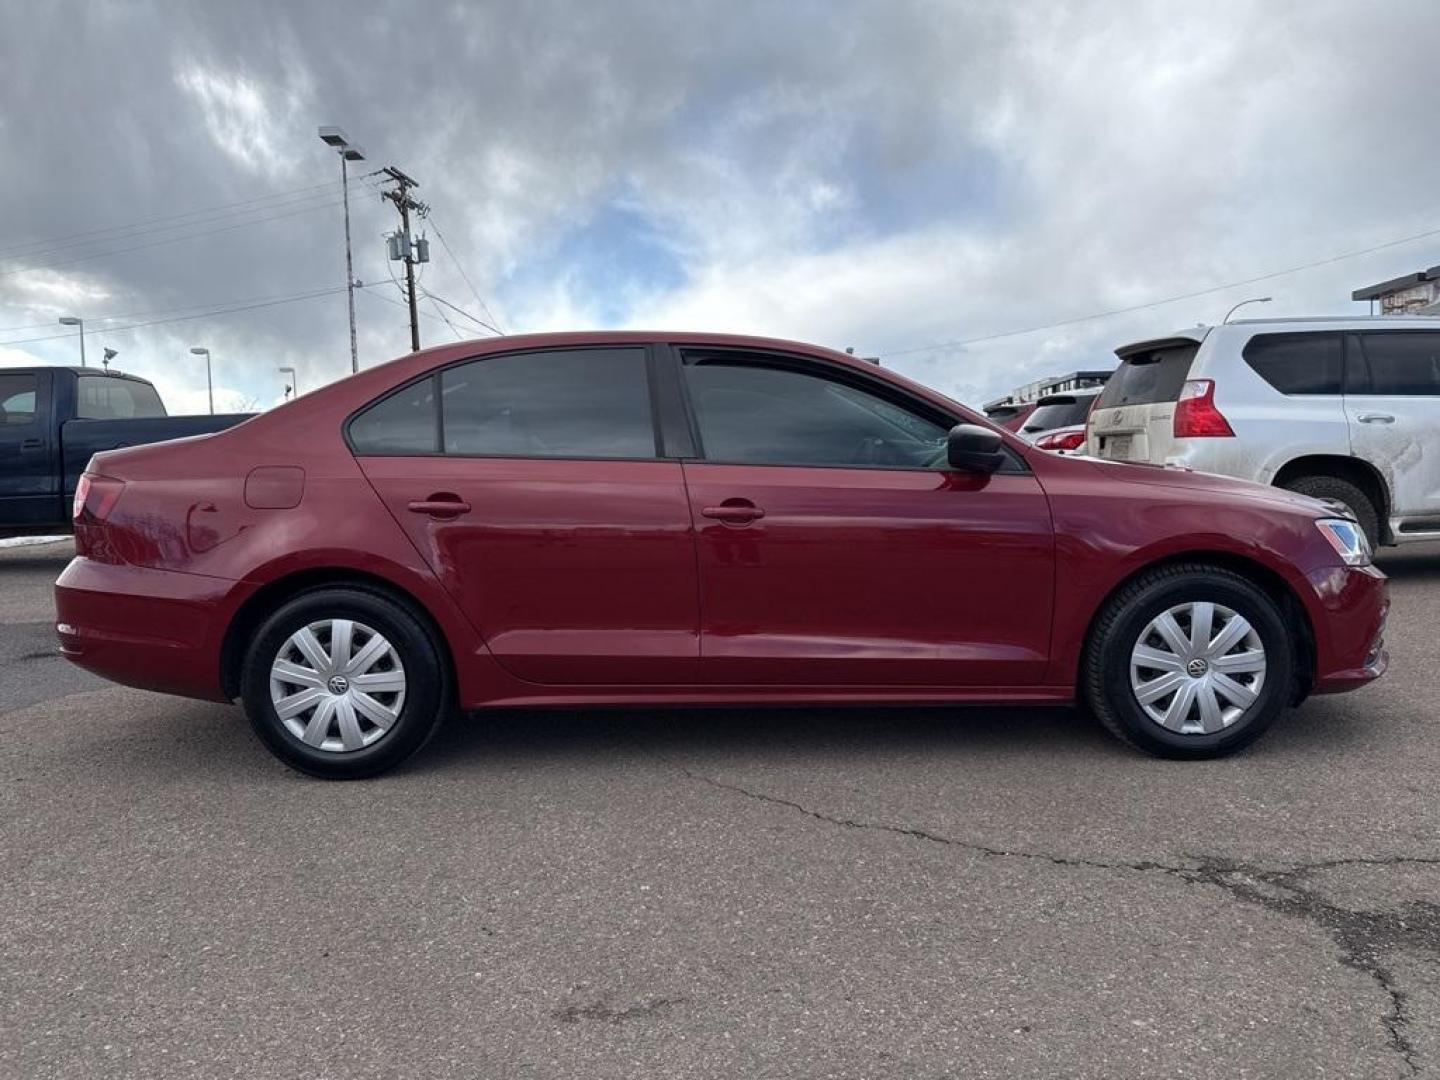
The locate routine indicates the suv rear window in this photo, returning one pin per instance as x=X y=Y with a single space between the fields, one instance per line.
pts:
x=1060 y=410
x=1298 y=363
x=1150 y=376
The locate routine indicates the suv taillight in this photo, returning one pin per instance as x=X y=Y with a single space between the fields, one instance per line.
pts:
x=1061 y=440
x=95 y=497
x=1196 y=416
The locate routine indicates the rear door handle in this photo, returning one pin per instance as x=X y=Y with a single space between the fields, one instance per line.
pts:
x=440 y=506
x=734 y=512
x=1375 y=418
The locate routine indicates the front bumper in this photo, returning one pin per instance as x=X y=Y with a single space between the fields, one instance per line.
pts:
x=155 y=629
x=1350 y=640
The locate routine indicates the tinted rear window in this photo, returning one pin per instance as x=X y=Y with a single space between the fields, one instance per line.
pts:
x=1150 y=376
x=585 y=403
x=1058 y=415
x=104 y=397
x=1298 y=363
x=1402 y=364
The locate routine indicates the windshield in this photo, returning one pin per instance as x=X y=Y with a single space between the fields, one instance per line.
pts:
x=1150 y=376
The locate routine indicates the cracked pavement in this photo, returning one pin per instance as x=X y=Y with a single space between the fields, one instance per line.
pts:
x=798 y=893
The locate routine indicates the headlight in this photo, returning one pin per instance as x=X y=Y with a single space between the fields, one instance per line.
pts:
x=1348 y=540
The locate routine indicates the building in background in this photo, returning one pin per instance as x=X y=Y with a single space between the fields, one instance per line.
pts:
x=1413 y=294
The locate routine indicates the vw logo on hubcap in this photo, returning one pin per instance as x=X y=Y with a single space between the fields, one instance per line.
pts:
x=1196 y=667
x=339 y=684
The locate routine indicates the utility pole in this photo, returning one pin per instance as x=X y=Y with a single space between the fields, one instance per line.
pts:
x=402 y=247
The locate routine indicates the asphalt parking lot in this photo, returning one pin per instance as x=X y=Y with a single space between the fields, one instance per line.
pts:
x=818 y=893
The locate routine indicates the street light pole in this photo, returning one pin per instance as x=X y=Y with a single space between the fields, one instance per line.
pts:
x=75 y=320
x=209 y=385
x=333 y=136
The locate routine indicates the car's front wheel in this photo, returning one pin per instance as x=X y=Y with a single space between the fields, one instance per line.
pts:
x=1189 y=661
x=343 y=683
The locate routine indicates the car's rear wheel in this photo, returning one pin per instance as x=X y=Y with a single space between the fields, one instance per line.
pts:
x=1189 y=661
x=343 y=683
x=1333 y=489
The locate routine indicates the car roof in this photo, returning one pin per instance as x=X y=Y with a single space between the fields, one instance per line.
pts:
x=1070 y=397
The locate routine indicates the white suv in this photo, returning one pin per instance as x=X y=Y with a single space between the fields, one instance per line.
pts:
x=1340 y=409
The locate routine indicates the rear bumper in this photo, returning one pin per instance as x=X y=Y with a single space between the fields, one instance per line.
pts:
x=1350 y=643
x=156 y=629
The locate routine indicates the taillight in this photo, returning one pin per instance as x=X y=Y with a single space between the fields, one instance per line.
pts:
x=95 y=497
x=1196 y=416
x=1061 y=440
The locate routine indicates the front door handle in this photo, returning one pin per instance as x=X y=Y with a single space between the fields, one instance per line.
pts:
x=32 y=444
x=440 y=505
x=734 y=512
x=1375 y=418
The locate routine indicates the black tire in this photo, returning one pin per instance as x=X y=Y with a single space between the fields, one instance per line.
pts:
x=1105 y=671
x=1341 y=491
x=426 y=693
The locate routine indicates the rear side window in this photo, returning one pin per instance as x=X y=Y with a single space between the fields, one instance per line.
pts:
x=1150 y=376
x=1059 y=412
x=1298 y=363
x=581 y=403
x=405 y=423
x=104 y=397
x=17 y=400
x=1400 y=364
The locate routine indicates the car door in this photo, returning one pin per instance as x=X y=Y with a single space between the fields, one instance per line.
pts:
x=1392 y=401
x=835 y=546
x=29 y=465
x=532 y=484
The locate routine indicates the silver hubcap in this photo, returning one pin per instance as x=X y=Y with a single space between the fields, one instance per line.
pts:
x=337 y=685
x=1197 y=668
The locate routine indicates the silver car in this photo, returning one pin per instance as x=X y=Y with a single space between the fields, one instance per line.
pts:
x=1341 y=409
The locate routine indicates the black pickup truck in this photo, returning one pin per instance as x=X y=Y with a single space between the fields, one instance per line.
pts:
x=53 y=418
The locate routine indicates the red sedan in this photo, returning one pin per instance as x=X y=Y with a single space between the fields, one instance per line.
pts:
x=630 y=518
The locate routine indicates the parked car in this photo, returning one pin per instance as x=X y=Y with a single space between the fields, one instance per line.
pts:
x=1058 y=422
x=1010 y=415
x=1346 y=410
x=52 y=419
x=683 y=519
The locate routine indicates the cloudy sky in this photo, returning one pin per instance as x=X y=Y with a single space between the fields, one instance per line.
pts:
x=911 y=179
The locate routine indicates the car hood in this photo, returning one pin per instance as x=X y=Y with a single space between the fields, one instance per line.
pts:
x=1169 y=476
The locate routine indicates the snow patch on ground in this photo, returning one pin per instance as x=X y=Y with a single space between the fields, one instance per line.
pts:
x=27 y=541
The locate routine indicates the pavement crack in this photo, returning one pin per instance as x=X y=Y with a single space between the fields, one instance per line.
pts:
x=1363 y=938
x=930 y=837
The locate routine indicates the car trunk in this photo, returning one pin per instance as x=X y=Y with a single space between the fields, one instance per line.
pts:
x=1134 y=418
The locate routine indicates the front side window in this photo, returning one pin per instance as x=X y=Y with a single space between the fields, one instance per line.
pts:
x=17 y=400
x=403 y=424
x=578 y=403
x=1401 y=364
x=1298 y=363
x=752 y=414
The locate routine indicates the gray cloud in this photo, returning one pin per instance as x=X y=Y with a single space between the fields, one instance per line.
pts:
x=883 y=175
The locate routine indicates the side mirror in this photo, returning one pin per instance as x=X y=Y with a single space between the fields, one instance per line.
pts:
x=973 y=448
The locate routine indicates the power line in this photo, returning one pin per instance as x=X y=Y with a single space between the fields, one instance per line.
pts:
x=95 y=319
x=232 y=310
x=461 y=267
x=1167 y=300
x=71 y=238
x=168 y=240
x=462 y=311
